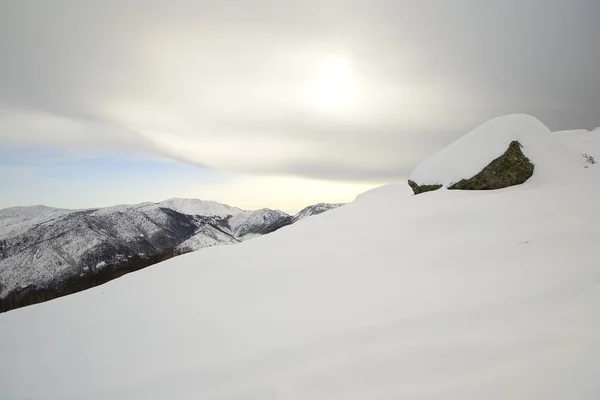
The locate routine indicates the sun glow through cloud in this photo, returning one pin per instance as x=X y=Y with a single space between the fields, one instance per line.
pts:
x=335 y=86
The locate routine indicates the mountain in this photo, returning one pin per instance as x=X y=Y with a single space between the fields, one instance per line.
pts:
x=449 y=294
x=46 y=252
x=314 y=210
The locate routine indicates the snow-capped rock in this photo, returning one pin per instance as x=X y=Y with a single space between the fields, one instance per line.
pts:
x=473 y=152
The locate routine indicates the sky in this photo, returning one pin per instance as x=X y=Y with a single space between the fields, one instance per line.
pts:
x=277 y=103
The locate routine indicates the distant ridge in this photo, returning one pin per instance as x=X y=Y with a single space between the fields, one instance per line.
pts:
x=49 y=252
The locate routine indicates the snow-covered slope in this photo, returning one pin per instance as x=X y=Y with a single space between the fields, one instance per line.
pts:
x=453 y=295
x=197 y=207
x=249 y=224
x=16 y=220
x=75 y=242
x=583 y=141
x=315 y=209
x=43 y=247
x=207 y=236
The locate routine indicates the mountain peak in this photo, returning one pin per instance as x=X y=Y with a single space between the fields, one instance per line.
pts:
x=199 y=207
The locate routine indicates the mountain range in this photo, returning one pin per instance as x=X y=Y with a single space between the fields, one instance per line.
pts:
x=49 y=252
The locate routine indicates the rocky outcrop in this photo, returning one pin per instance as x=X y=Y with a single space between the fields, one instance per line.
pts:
x=418 y=189
x=511 y=168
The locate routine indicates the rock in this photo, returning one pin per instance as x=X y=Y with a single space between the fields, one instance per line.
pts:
x=502 y=152
x=511 y=168
x=417 y=189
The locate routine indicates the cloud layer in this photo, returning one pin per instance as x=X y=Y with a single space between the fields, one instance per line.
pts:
x=231 y=85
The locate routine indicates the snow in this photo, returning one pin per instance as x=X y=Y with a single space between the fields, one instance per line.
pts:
x=451 y=295
x=467 y=156
x=18 y=219
x=582 y=141
x=198 y=207
x=184 y=206
x=206 y=237
x=315 y=209
x=242 y=222
x=40 y=243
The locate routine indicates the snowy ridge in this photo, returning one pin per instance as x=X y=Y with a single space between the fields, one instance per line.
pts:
x=198 y=207
x=471 y=153
x=184 y=206
x=43 y=247
x=315 y=210
x=206 y=237
x=18 y=219
x=453 y=295
x=256 y=222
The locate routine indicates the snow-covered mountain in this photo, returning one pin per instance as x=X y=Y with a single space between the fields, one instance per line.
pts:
x=449 y=294
x=256 y=223
x=49 y=249
x=314 y=210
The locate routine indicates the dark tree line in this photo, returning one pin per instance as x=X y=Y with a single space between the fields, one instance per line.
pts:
x=76 y=283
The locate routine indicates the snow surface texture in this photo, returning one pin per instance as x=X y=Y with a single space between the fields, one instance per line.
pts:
x=585 y=142
x=450 y=295
x=471 y=153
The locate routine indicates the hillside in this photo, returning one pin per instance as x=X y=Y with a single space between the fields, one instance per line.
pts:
x=47 y=252
x=451 y=294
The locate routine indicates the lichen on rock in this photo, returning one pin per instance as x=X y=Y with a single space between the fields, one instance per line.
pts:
x=417 y=189
x=511 y=168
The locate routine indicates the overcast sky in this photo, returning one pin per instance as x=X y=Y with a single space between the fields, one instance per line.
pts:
x=271 y=103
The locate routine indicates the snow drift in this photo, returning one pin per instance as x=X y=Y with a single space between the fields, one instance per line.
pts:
x=453 y=295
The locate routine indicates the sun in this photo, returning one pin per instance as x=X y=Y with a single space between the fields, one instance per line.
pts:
x=334 y=84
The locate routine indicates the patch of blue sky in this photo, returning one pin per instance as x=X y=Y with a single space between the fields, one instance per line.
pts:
x=85 y=164
x=89 y=178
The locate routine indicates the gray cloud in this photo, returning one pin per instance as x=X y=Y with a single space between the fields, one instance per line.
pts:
x=223 y=83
